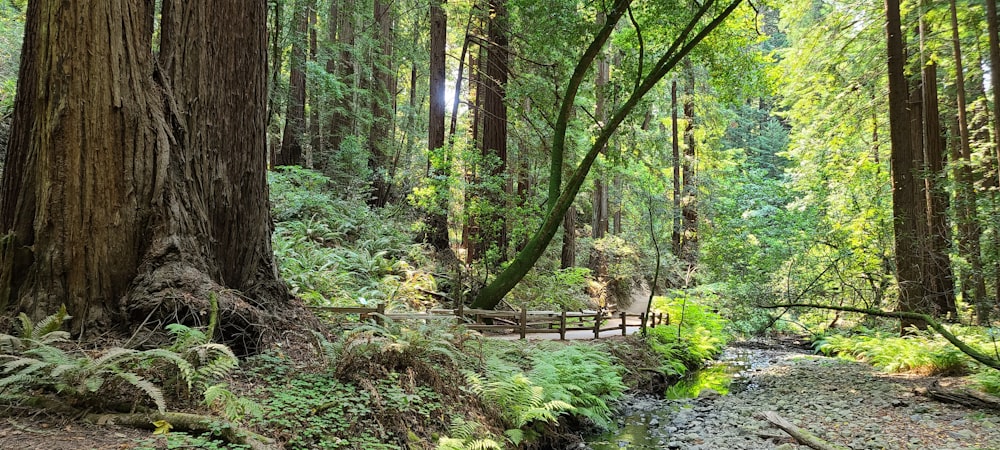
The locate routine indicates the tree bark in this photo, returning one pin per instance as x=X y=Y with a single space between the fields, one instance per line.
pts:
x=341 y=118
x=567 y=258
x=295 y=114
x=689 y=200
x=994 y=46
x=675 y=238
x=905 y=188
x=493 y=142
x=383 y=94
x=941 y=278
x=437 y=218
x=968 y=227
x=137 y=190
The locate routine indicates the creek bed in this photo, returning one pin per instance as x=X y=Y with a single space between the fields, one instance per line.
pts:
x=646 y=422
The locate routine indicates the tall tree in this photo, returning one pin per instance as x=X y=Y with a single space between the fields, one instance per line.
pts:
x=675 y=147
x=994 y=51
x=689 y=201
x=906 y=195
x=436 y=233
x=599 y=224
x=295 y=114
x=342 y=119
x=940 y=278
x=383 y=108
x=139 y=190
x=968 y=227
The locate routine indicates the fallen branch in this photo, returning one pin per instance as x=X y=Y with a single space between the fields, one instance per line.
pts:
x=934 y=324
x=195 y=423
x=804 y=437
x=964 y=397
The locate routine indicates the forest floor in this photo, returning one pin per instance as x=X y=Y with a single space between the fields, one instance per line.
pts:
x=843 y=402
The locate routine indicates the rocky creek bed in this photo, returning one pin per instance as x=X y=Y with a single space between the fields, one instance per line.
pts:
x=843 y=402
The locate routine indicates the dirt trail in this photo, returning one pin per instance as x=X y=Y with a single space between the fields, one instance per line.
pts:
x=843 y=402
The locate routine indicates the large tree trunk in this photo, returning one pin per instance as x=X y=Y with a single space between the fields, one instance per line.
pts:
x=295 y=114
x=383 y=95
x=493 y=145
x=905 y=187
x=599 y=223
x=437 y=218
x=567 y=258
x=134 y=193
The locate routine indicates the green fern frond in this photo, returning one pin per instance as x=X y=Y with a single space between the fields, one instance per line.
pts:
x=151 y=390
x=49 y=324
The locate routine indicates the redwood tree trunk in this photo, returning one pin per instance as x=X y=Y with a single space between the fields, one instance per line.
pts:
x=295 y=114
x=905 y=182
x=689 y=200
x=138 y=191
x=379 y=136
x=437 y=218
x=675 y=236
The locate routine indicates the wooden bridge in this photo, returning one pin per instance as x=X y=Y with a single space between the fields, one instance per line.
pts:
x=521 y=322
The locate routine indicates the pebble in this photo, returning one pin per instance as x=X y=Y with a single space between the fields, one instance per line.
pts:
x=840 y=401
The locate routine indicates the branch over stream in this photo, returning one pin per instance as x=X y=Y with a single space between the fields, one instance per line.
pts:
x=931 y=322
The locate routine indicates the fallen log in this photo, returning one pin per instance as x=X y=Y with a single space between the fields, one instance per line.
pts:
x=803 y=436
x=195 y=423
x=964 y=397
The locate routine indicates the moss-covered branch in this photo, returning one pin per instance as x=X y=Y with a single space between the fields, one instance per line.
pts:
x=906 y=315
x=195 y=423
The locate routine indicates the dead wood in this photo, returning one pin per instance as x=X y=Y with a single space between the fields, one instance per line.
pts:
x=964 y=397
x=804 y=437
x=195 y=423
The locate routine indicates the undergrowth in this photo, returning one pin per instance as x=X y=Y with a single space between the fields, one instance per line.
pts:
x=694 y=335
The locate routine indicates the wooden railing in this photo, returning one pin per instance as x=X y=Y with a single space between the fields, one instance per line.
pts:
x=522 y=322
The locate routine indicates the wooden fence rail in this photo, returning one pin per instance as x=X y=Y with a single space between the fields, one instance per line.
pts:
x=522 y=322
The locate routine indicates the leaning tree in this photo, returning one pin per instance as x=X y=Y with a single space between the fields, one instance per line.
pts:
x=135 y=187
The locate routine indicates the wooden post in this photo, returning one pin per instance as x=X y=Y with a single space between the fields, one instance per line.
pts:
x=380 y=310
x=623 y=323
x=597 y=324
x=562 y=326
x=524 y=322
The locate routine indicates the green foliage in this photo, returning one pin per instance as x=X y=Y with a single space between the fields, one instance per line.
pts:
x=919 y=351
x=38 y=361
x=337 y=251
x=582 y=376
x=695 y=333
x=397 y=346
x=989 y=381
x=468 y=435
x=558 y=290
x=521 y=403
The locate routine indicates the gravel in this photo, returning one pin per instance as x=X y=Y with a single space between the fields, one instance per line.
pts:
x=843 y=402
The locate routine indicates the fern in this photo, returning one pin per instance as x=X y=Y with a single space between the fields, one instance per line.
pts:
x=468 y=435
x=233 y=407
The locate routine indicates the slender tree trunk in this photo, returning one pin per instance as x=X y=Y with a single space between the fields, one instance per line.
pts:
x=274 y=65
x=689 y=202
x=567 y=258
x=315 y=139
x=905 y=187
x=437 y=217
x=968 y=228
x=675 y=239
x=994 y=46
x=295 y=114
x=383 y=92
x=941 y=278
x=149 y=206
x=599 y=225
x=342 y=116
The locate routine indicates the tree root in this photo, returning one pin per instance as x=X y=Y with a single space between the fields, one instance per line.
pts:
x=195 y=423
x=804 y=437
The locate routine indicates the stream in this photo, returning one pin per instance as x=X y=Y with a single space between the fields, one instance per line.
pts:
x=843 y=402
x=640 y=425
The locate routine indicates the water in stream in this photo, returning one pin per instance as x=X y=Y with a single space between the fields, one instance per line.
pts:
x=640 y=428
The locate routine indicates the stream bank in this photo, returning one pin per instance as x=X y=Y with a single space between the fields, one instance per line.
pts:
x=844 y=402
